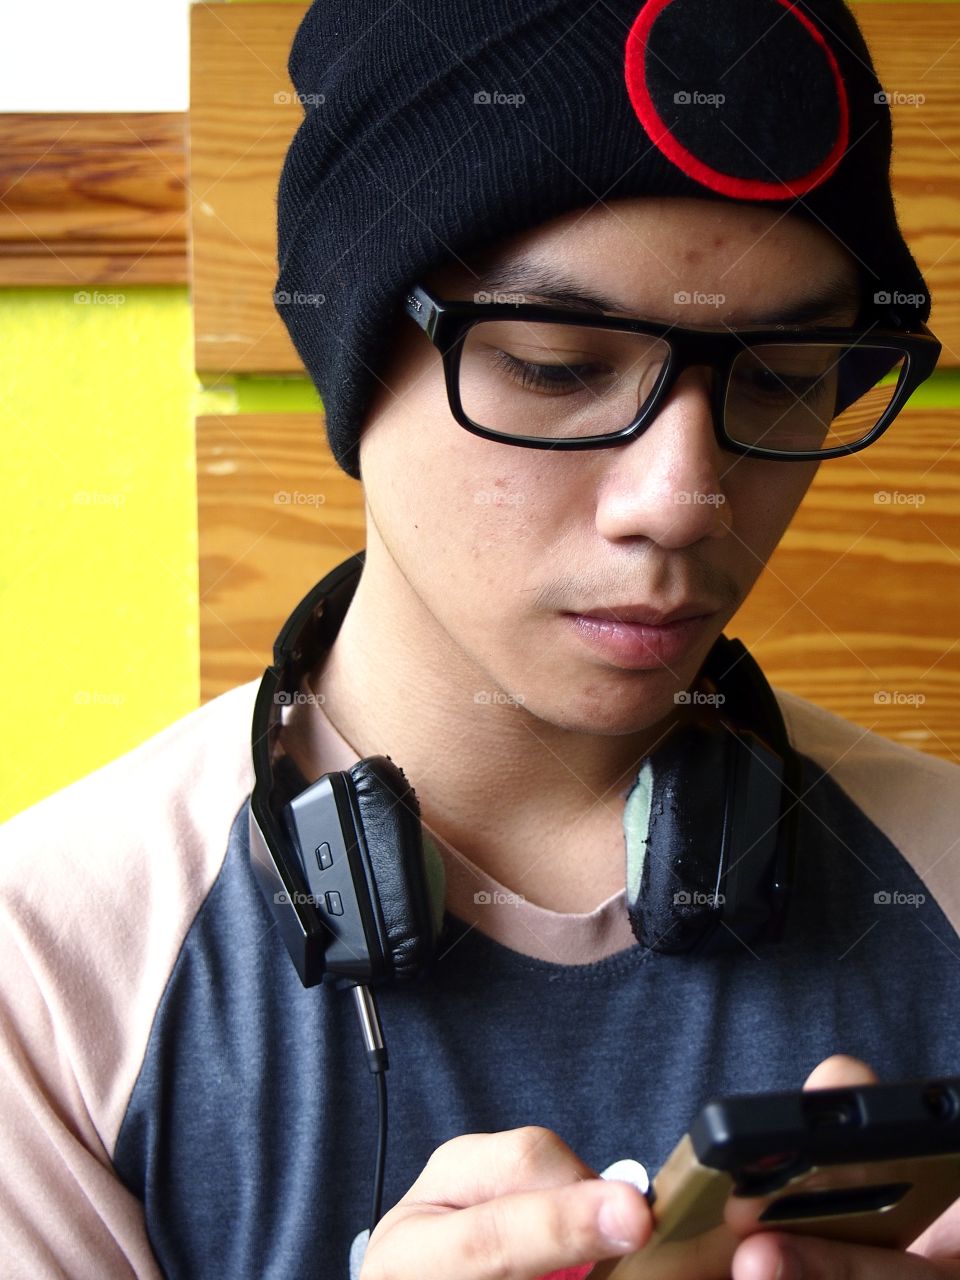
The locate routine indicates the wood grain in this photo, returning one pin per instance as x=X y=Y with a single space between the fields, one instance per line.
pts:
x=858 y=609
x=95 y=198
x=243 y=115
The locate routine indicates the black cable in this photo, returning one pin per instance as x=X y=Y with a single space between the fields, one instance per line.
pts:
x=378 y=1062
x=381 y=1149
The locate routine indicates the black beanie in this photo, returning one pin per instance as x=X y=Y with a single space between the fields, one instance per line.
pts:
x=433 y=126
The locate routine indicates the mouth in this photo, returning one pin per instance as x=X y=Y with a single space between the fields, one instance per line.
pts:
x=633 y=643
x=648 y=615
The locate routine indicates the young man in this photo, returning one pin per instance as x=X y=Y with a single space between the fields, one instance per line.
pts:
x=176 y=1102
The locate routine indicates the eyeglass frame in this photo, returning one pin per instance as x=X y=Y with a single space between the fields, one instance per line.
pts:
x=446 y=322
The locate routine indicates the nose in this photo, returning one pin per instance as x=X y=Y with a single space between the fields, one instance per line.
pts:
x=667 y=484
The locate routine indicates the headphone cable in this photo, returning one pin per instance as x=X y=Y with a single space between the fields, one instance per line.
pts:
x=378 y=1063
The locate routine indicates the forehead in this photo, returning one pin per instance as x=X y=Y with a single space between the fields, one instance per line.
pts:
x=641 y=252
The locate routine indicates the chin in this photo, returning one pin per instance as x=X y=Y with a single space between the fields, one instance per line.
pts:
x=611 y=712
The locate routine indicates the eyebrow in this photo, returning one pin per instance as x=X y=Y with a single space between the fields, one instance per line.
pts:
x=542 y=281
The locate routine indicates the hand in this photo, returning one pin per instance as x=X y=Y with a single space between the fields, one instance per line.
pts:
x=772 y=1255
x=505 y=1206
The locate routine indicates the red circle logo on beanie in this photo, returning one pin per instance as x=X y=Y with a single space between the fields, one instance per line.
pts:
x=745 y=96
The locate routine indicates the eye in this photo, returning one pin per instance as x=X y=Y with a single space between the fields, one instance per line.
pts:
x=551 y=378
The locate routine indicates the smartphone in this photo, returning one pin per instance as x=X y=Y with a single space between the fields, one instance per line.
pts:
x=867 y=1164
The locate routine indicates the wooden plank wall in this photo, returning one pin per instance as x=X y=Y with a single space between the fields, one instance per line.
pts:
x=858 y=609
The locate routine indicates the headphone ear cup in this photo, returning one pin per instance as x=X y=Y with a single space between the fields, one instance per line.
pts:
x=674 y=824
x=389 y=820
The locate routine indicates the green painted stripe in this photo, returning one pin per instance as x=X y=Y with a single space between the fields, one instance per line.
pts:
x=251 y=393
x=257 y=393
x=941 y=391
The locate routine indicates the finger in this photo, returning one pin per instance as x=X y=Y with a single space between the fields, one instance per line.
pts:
x=524 y=1235
x=760 y=1257
x=477 y=1167
x=839 y=1070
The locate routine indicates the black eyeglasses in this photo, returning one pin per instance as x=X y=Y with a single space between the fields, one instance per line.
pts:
x=548 y=378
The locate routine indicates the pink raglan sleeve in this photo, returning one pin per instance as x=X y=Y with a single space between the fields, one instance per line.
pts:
x=99 y=885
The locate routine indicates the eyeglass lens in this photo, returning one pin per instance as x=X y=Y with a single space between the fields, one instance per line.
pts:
x=562 y=381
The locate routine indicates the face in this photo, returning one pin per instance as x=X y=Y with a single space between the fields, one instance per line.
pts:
x=500 y=553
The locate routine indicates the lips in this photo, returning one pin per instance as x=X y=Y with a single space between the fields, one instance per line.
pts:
x=648 y=615
x=640 y=645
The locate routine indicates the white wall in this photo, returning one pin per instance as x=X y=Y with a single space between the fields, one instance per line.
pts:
x=94 y=55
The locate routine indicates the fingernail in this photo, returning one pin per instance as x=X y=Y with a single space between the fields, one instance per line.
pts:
x=790 y=1267
x=612 y=1226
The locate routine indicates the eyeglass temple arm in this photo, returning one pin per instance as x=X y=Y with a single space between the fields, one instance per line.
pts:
x=420 y=307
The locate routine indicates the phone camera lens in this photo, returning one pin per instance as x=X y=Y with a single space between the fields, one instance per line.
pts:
x=940 y=1101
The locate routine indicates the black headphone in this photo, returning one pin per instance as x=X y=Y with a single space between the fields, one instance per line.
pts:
x=709 y=826
x=709 y=822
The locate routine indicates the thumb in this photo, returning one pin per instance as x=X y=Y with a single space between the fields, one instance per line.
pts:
x=840 y=1070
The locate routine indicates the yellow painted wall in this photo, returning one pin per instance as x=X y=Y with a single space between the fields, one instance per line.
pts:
x=98 y=559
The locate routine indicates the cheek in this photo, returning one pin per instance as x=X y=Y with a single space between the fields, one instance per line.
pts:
x=459 y=515
x=765 y=500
